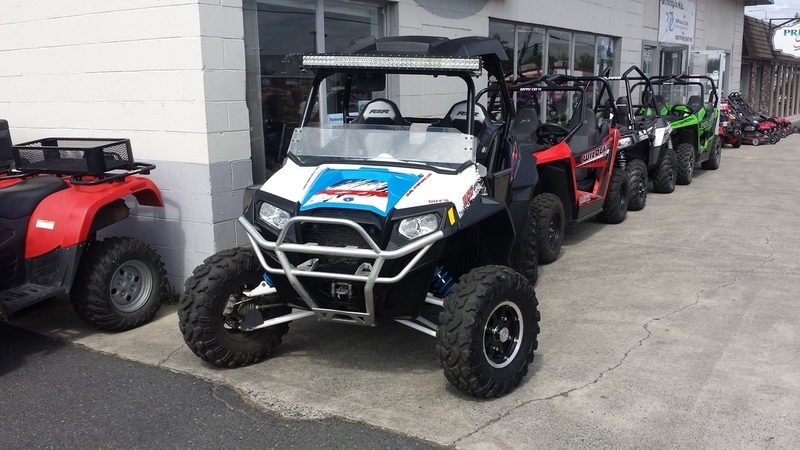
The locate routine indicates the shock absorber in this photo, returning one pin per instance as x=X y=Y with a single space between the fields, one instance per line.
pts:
x=621 y=159
x=442 y=282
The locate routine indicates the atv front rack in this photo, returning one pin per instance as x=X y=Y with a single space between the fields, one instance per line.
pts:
x=369 y=274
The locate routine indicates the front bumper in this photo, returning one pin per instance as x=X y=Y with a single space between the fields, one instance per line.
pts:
x=366 y=273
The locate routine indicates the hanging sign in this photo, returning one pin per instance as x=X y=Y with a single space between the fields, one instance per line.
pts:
x=787 y=40
x=676 y=22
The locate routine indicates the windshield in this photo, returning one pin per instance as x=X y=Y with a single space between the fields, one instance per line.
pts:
x=445 y=148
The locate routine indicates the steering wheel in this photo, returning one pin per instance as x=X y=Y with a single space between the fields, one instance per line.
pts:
x=550 y=133
x=680 y=110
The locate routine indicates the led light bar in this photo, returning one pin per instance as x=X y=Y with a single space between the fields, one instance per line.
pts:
x=391 y=63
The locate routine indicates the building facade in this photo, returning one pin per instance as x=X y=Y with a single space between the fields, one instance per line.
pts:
x=770 y=78
x=210 y=90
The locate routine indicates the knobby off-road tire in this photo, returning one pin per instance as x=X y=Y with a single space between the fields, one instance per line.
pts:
x=550 y=222
x=756 y=142
x=488 y=331
x=715 y=155
x=774 y=138
x=525 y=253
x=214 y=337
x=119 y=285
x=666 y=174
x=636 y=171
x=615 y=206
x=685 y=156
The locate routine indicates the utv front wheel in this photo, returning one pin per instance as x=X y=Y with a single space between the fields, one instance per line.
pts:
x=715 y=154
x=615 y=207
x=119 y=285
x=549 y=213
x=214 y=307
x=666 y=174
x=488 y=331
x=636 y=171
x=685 y=154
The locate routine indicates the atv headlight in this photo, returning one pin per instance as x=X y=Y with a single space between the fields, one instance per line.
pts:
x=273 y=216
x=414 y=227
x=625 y=142
x=749 y=128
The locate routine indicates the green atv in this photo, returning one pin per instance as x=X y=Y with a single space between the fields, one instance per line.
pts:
x=694 y=122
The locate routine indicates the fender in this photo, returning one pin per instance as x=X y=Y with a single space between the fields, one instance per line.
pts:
x=65 y=218
x=555 y=153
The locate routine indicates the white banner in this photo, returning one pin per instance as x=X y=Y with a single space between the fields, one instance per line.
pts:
x=676 y=23
x=787 y=40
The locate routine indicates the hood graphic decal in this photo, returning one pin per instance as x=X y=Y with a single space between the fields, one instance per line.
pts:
x=370 y=189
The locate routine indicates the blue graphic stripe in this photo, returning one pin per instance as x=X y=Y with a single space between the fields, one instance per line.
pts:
x=398 y=184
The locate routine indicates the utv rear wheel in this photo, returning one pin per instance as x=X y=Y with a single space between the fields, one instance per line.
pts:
x=666 y=174
x=636 y=171
x=615 y=207
x=119 y=285
x=214 y=307
x=525 y=253
x=685 y=154
x=715 y=154
x=549 y=213
x=488 y=331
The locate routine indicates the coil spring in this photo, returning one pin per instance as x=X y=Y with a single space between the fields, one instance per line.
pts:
x=442 y=282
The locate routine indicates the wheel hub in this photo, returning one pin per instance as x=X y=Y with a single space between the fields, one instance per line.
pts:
x=503 y=335
x=131 y=286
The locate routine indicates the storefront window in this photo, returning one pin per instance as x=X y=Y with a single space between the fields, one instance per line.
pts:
x=605 y=55
x=583 y=63
x=649 y=60
x=558 y=49
x=277 y=33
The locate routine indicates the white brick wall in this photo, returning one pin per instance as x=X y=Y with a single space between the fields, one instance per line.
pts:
x=169 y=75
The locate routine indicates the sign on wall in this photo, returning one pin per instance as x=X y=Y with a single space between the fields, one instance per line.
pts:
x=676 y=23
x=786 y=40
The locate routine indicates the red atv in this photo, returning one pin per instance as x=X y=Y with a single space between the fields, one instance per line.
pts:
x=581 y=174
x=55 y=195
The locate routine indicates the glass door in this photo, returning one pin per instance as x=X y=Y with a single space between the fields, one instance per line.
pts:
x=673 y=60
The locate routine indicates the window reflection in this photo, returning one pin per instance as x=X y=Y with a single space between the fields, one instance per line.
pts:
x=277 y=33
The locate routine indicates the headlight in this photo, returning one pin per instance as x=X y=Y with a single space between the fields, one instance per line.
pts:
x=749 y=128
x=414 y=227
x=273 y=215
x=625 y=142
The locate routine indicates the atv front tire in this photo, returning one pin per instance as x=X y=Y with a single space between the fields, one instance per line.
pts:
x=615 y=207
x=666 y=174
x=119 y=285
x=488 y=331
x=214 y=307
x=685 y=154
x=714 y=156
x=636 y=171
x=549 y=212
x=525 y=253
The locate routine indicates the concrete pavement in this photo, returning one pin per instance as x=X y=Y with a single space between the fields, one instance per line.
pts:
x=676 y=328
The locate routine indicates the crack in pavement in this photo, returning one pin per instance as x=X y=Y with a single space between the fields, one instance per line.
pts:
x=160 y=363
x=769 y=258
